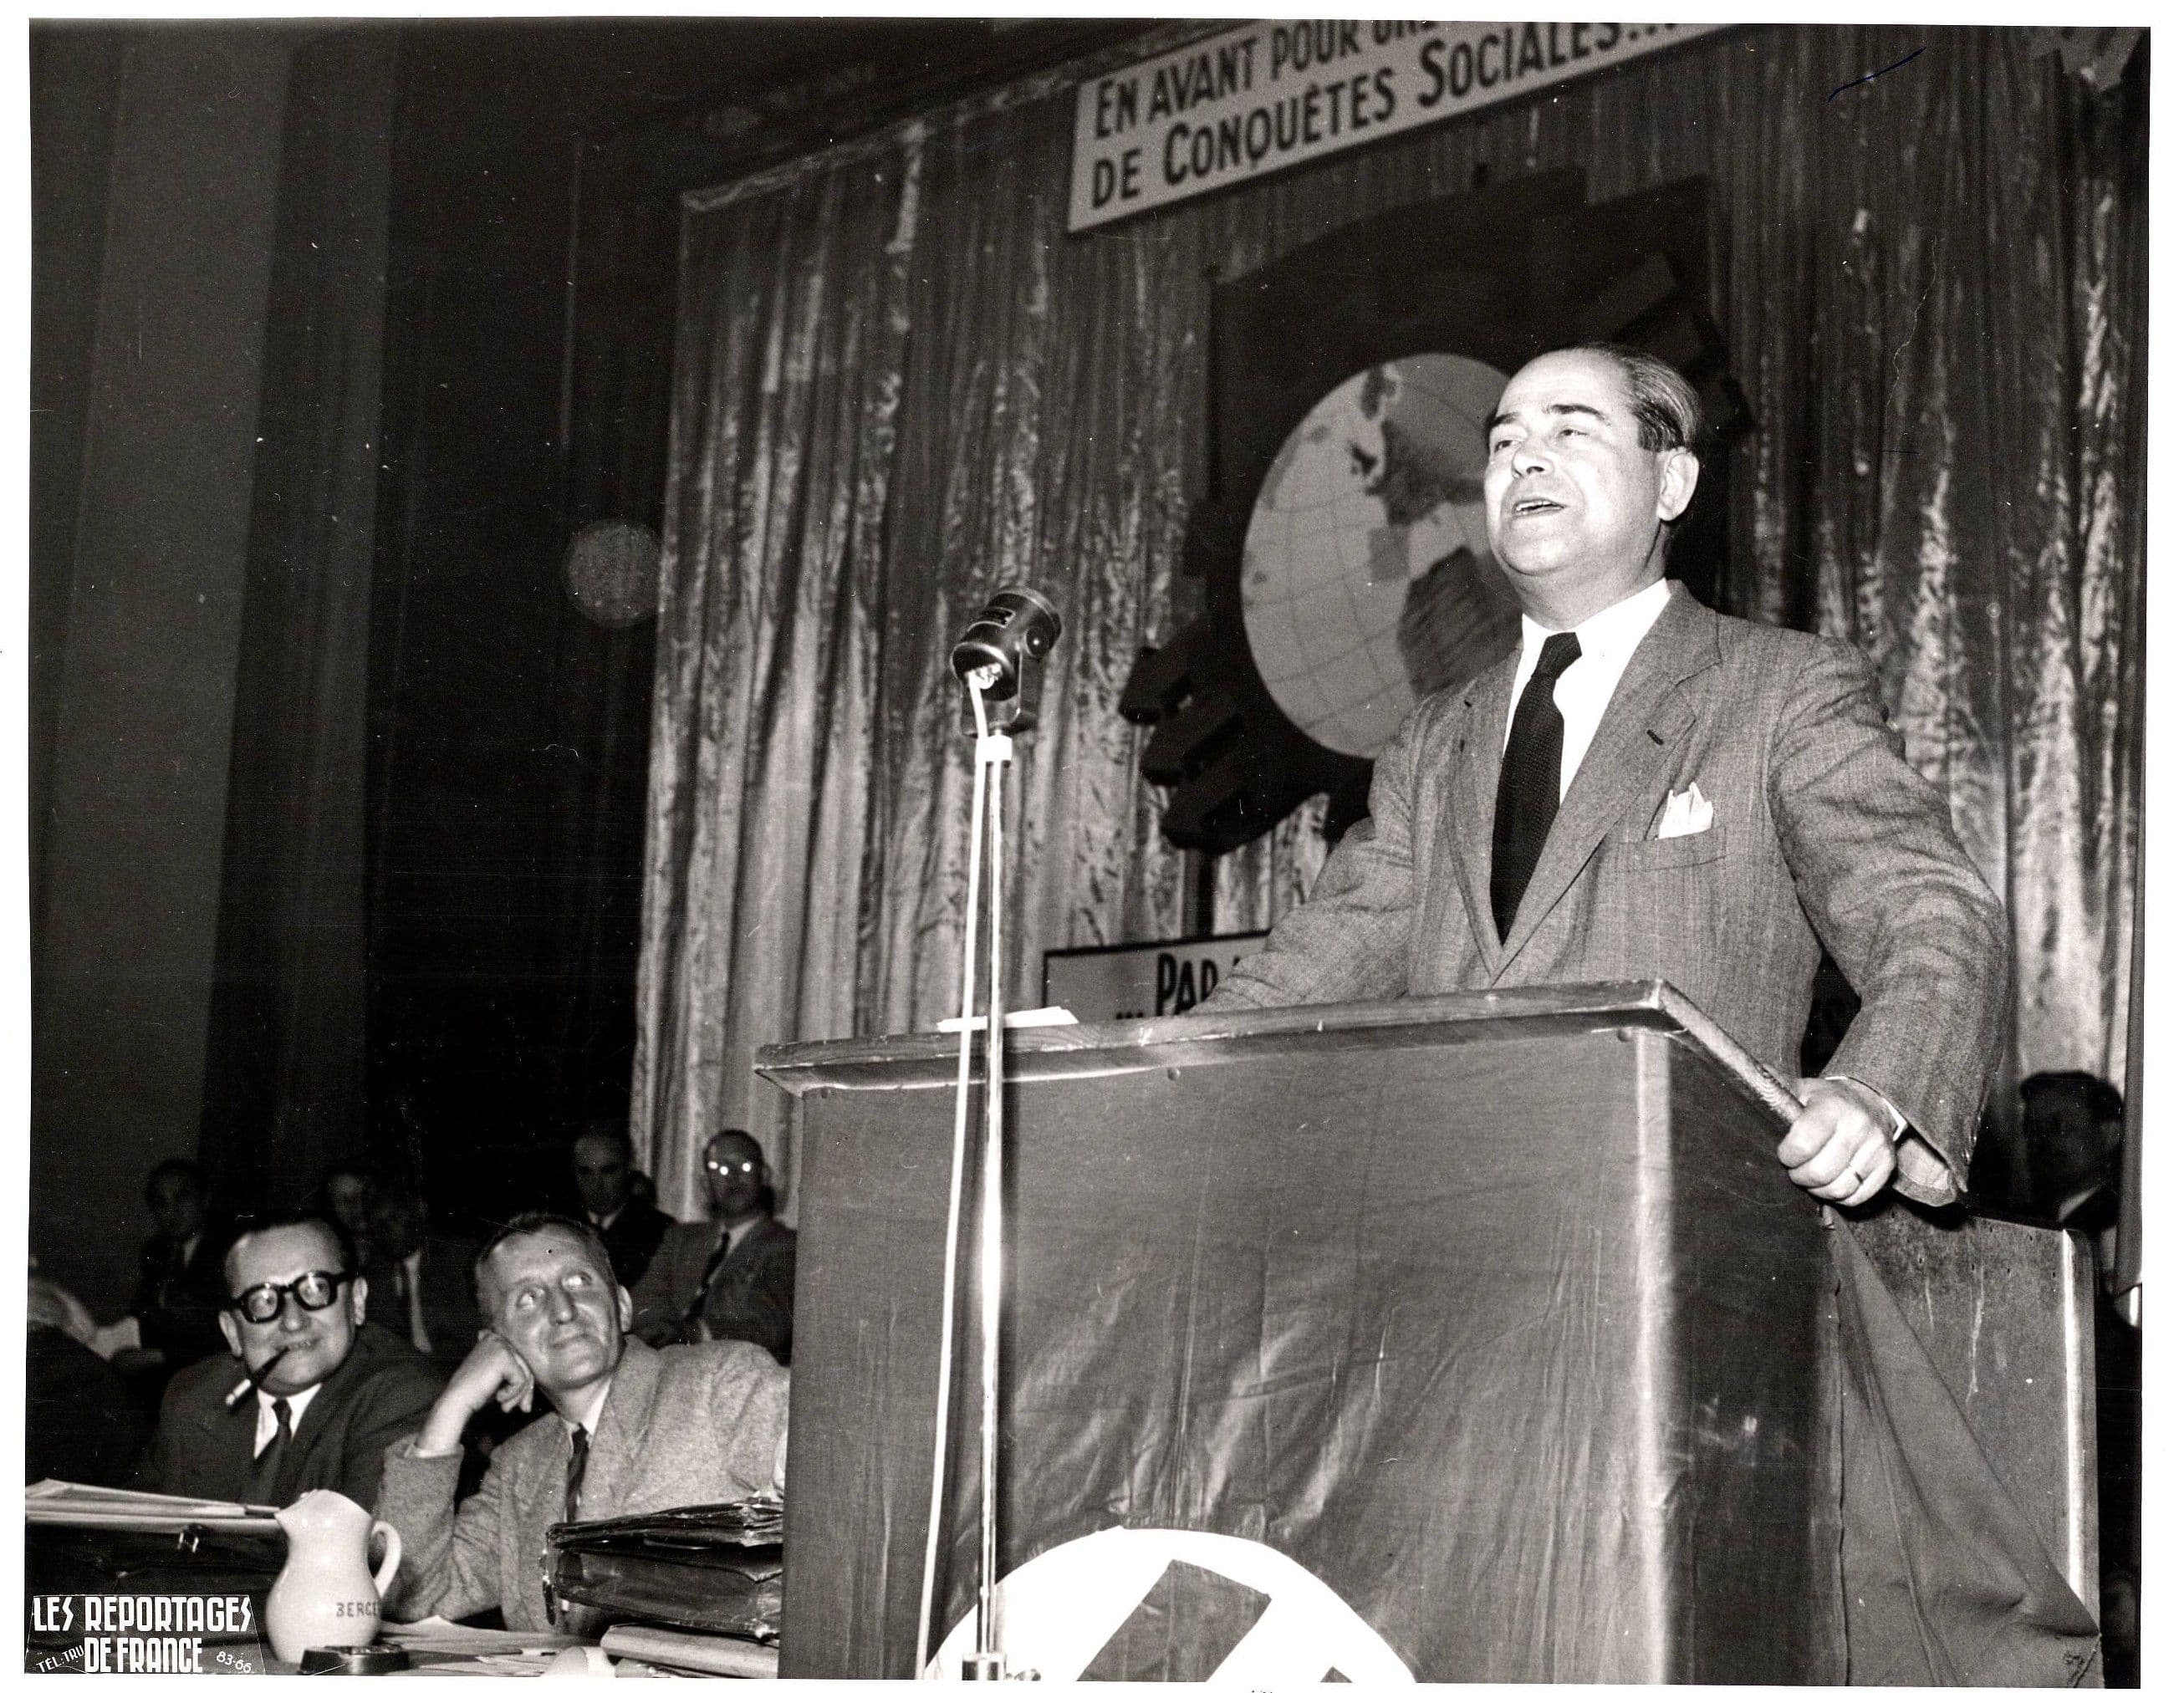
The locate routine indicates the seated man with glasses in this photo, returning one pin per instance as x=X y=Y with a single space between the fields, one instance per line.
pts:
x=733 y=1277
x=330 y=1394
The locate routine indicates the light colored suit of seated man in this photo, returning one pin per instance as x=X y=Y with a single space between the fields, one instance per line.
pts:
x=633 y=1430
x=1645 y=788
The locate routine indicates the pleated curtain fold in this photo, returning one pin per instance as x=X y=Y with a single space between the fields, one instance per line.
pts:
x=900 y=381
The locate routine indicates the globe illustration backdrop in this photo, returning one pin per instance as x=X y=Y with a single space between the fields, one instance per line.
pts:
x=1366 y=582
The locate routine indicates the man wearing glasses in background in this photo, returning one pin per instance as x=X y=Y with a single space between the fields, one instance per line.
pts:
x=331 y=1394
x=732 y=1278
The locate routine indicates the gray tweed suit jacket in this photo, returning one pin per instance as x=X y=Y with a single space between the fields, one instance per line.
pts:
x=1821 y=834
x=694 y=1425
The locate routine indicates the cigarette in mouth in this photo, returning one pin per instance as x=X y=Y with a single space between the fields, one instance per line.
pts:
x=251 y=1383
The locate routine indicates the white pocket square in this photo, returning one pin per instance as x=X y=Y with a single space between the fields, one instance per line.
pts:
x=1687 y=813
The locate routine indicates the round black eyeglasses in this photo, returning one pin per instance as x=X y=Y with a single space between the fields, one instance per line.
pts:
x=314 y=1290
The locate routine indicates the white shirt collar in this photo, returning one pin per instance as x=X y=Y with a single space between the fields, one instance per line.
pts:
x=1610 y=636
x=1606 y=641
x=269 y=1425
x=603 y=1223
x=591 y=1417
x=737 y=1231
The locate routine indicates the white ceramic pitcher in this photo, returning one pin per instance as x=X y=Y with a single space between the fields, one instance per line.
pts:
x=327 y=1594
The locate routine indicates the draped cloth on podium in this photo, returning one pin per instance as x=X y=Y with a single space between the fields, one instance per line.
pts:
x=1497 y=1342
x=1945 y=1583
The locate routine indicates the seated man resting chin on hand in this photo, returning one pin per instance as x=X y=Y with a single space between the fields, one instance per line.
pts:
x=633 y=1430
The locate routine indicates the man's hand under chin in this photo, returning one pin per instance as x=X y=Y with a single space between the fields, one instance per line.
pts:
x=1842 y=1147
x=492 y=1371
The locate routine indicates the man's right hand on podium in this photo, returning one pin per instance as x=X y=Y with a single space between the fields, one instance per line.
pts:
x=1842 y=1146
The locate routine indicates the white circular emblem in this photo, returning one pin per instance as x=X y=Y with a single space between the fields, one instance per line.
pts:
x=1058 y=1612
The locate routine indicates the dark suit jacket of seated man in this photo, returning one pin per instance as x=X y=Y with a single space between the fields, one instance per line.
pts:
x=352 y=1389
x=426 y=1294
x=752 y=1295
x=693 y=1425
x=179 y=1286
x=420 y=1280
x=1742 y=801
x=733 y=1277
x=600 y=1164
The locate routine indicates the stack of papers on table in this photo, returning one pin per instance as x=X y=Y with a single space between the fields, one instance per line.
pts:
x=74 y=1505
x=711 y=1567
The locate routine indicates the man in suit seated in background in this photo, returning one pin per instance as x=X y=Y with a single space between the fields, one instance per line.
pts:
x=343 y=1197
x=732 y=1278
x=336 y=1394
x=1645 y=788
x=633 y=1430
x=420 y=1282
x=174 y=1316
x=631 y=1224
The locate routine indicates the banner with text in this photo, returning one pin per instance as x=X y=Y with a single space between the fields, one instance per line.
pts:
x=1268 y=96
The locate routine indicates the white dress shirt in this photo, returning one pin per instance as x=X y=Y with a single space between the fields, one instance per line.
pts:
x=269 y=1425
x=1606 y=641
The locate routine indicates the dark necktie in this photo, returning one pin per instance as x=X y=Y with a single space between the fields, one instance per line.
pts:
x=265 y=1468
x=1532 y=790
x=580 y=1451
x=697 y=1306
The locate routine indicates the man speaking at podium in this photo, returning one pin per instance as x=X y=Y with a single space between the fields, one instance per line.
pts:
x=1645 y=788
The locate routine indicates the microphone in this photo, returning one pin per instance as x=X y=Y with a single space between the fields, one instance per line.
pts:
x=1006 y=646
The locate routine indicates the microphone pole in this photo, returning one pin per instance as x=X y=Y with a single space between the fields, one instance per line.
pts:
x=999 y=660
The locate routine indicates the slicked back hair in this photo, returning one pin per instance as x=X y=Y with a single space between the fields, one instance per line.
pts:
x=532 y=1223
x=252 y=1227
x=610 y=1131
x=2099 y=1099
x=1662 y=399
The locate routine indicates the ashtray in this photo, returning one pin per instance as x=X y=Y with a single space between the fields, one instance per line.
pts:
x=380 y=1657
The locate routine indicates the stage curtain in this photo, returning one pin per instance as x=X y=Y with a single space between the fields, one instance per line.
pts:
x=284 y=1072
x=901 y=380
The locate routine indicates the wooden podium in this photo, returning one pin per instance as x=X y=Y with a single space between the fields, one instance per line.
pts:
x=1494 y=1315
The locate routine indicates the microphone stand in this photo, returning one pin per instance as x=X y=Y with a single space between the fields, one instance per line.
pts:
x=986 y=1664
x=1012 y=673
